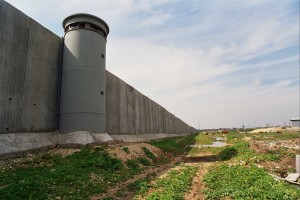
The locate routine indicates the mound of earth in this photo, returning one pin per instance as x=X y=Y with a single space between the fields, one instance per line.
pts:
x=265 y=146
x=131 y=151
x=281 y=168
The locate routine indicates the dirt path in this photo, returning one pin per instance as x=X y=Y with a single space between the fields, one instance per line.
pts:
x=128 y=195
x=202 y=160
x=197 y=188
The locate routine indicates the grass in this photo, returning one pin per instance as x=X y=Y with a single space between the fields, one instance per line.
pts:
x=172 y=186
x=245 y=182
x=264 y=136
x=77 y=176
x=203 y=139
x=239 y=178
x=250 y=156
x=132 y=164
x=278 y=136
x=144 y=161
x=126 y=150
x=240 y=150
x=176 y=145
x=149 y=154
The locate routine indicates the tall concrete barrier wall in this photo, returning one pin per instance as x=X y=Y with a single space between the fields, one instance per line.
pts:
x=29 y=60
x=30 y=81
x=130 y=112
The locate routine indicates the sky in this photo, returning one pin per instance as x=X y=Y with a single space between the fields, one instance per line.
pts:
x=212 y=63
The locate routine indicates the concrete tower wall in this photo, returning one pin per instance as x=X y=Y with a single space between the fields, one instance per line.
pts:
x=29 y=85
x=82 y=105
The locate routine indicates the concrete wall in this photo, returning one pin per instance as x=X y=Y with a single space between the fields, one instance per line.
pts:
x=29 y=60
x=130 y=112
x=29 y=85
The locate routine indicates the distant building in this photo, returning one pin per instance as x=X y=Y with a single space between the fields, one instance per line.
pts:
x=295 y=122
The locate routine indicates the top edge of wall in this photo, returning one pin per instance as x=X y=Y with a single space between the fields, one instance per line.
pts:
x=2 y=2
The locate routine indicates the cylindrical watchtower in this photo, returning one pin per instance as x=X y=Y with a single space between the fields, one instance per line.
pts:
x=82 y=102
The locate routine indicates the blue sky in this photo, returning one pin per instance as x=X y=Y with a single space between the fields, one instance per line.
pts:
x=212 y=63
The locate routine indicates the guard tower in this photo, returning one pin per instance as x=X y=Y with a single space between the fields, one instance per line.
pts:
x=82 y=101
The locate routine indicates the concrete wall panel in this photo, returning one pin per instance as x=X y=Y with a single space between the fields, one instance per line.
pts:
x=130 y=110
x=150 y=120
x=137 y=114
x=146 y=114
x=28 y=73
x=155 y=122
x=123 y=106
x=41 y=80
x=13 y=50
x=142 y=113
x=112 y=104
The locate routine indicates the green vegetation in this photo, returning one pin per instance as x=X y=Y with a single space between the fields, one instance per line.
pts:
x=203 y=139
x=176 y=145
x=92 y=171
x=239 y=150
x=133 y=164
x=173 y=186
x=278 y=136
x=144 y=161
x=149 y=154
x=245 y=154
x=126 y=150
x=241 y=182
x=76 y=176
x=227 y=153
x=263 y=136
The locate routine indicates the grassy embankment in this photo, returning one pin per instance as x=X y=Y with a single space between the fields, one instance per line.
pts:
x=80 y=175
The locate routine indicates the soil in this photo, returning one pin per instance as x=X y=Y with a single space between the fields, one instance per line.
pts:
x=264 y=146
x=201 y=160
x=287 y=163
x=135 y=150
x=197 y=188
x=29 y=159
x=128 y=195
x=281 y=168
x=64 y=151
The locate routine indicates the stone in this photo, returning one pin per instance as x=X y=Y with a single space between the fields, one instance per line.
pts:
x=293 y=177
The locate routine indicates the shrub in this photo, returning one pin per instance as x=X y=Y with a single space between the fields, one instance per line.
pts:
x=149 y=154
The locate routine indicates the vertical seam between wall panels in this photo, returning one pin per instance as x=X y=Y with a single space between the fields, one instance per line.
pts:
x=127 y=109
x=61 y=51
x=24 y=77
x=133 y=111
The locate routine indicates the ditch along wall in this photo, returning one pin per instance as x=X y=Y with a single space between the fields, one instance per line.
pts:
x=30 y=62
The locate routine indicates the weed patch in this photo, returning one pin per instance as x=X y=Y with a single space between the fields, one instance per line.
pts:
x=176 y=145
x=240 y=182
x=140 y=186
x=133 y=164
x=126 y=150
x=149 y=154
x=77 y=176
x=227 y=153
x=250 y=156
x=203 y=139
x=173 y=186
x=144 y=161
